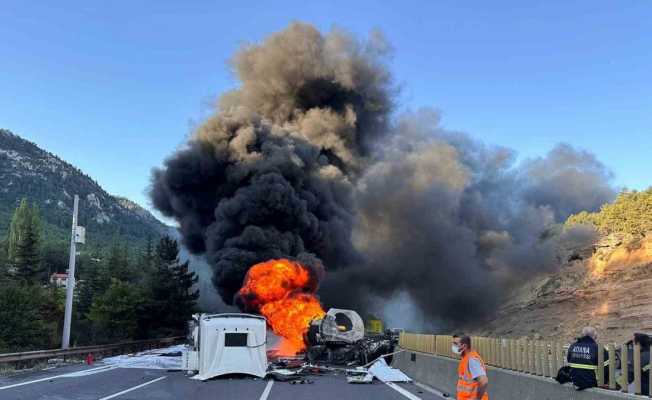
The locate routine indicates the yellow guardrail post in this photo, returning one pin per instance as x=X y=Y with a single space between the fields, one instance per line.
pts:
x=538 y=365
x=599 y=373
x=612 y=366
x=511 y=346
x=624 y=367
x=637 y=368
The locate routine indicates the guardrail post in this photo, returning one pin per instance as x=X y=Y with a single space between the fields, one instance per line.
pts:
x=599 y=373
x=545 y=360
x=637 y=368
x=539 y=358
x=612 y=366
x=533 y=357
x=650 y=374
x=624 y=367
x=560 y=355
x=524 y=355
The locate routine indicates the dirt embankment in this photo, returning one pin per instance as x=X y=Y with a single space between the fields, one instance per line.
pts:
x=608 y=285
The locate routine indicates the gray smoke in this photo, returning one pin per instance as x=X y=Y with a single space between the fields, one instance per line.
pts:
x=451 y=225
x=302 y=160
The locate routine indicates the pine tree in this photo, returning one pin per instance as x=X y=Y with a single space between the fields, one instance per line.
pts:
x=118 y=261
x=147 y=258
x=184 y=301
x=4 y=262
x=22 y=327
x=171 y=299
x=19 y=219
x=24 y=241
x=115 y=313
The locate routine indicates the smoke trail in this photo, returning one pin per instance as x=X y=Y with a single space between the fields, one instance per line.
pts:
x=303 y=161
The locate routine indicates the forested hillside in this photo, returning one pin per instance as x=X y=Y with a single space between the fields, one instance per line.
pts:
x=27 y=171
x=130 y=281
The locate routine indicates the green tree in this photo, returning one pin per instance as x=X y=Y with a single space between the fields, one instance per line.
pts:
x=21 y=312
x=184 y=297
x=4 y=262
x=23 y=243
x=147 y=258
x=118 y=261
x=171 y=299
x=115 y=313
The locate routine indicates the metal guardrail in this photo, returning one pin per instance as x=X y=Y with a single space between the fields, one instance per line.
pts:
x=534 y=357
x=9 y=358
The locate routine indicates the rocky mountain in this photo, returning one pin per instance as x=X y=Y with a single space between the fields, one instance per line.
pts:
x=606 y=285
x=27 y=171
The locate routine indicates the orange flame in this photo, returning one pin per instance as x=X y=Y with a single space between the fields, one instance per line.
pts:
x=284 y=292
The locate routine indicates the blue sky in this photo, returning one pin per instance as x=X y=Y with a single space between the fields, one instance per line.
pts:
x=114 y=87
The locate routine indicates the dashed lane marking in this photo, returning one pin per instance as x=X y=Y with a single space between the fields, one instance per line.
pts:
x=402 y=391
x=133 y=388
x=68 y=375
x=430 y=390
x=267 y=390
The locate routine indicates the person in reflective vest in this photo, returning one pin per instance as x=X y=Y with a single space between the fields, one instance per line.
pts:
x=583 y=360
x=472 y=379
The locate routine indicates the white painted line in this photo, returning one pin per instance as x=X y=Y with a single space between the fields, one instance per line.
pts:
x=133 y=388
x=87 y=372
x=71 y=374
x=402 y=391
x=267 y=390
x=430 y=390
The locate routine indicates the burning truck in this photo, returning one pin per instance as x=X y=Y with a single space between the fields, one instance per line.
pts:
x=283 y=292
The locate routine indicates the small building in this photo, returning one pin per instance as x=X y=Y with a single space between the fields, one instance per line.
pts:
x=59 y=279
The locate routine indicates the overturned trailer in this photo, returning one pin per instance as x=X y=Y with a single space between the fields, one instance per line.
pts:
x=226 y=344
x=339 y=338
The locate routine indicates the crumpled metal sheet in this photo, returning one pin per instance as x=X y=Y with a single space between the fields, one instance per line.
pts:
x=385 y=373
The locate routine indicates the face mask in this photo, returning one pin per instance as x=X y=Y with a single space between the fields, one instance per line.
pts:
x=456 y=349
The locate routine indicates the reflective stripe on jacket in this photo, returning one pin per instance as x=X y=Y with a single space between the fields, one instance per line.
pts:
x=467 y=387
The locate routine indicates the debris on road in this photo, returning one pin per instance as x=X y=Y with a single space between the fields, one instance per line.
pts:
x=385 y=373
x=150 y=359
x=359 y=375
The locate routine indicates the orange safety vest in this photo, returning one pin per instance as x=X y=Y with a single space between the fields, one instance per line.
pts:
x=467 y=388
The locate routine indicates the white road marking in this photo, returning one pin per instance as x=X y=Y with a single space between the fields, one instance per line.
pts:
x=267 y=390
x=402 y=391
x=133 y=388
x=87 y=372
x=71 y=374
x=429 y=389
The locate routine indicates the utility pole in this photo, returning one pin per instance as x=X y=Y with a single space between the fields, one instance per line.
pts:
x=77 y=235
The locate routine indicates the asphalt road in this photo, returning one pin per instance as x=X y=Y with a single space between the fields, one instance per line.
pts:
x=105 y=383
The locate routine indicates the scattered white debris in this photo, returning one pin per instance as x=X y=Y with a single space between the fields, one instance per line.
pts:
x=385 y=373
x=166 y=358
x=360 y=378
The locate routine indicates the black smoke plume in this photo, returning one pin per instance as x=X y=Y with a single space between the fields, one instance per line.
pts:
x=305 y=160
x=271 y=173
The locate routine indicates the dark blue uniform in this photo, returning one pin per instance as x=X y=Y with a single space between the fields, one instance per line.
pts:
x=583 y=360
